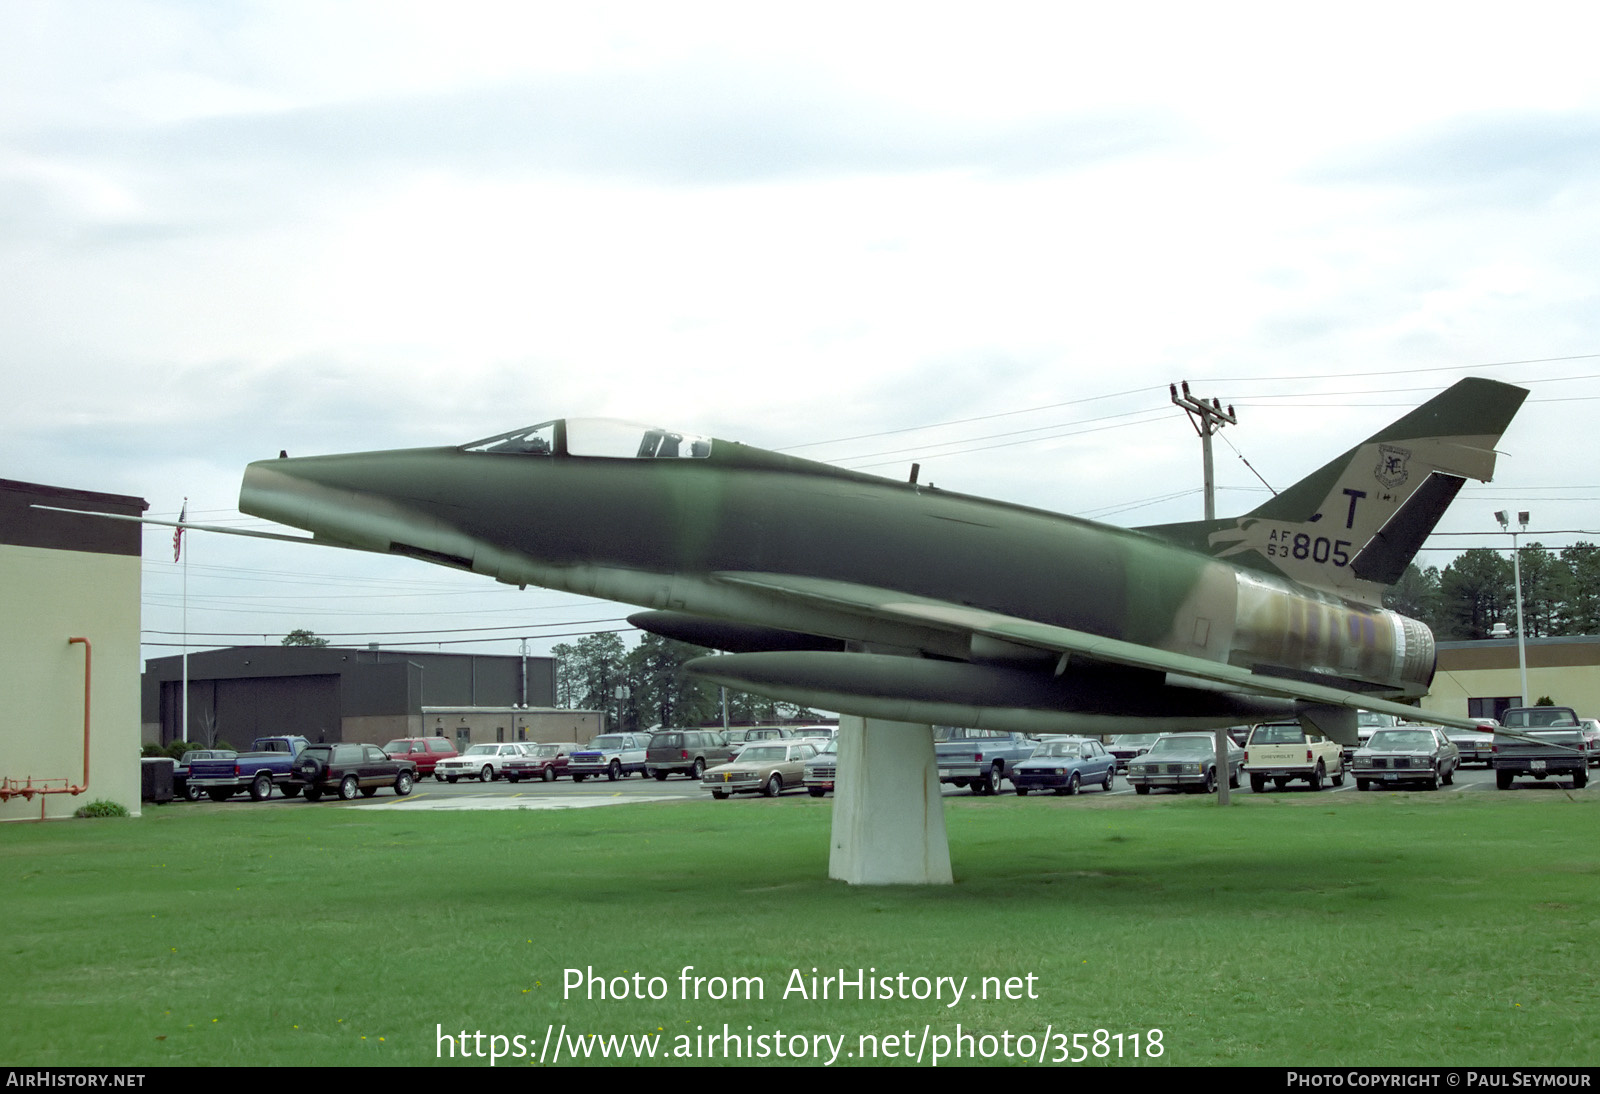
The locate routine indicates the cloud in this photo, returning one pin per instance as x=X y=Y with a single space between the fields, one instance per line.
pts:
x=1523 y=157
x=668 y=126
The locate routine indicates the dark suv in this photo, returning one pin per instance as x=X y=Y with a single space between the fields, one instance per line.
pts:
x=686 y=752
x=348 y=770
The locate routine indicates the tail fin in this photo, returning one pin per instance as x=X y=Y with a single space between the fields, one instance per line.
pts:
x=1352 y=526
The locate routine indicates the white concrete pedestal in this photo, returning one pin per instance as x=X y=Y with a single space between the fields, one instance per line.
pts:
x=888 y=814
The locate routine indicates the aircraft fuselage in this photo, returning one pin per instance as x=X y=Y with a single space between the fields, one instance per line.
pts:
x=685 y=535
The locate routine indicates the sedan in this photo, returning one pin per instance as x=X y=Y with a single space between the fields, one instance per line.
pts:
x=1591 y=739
x=1064 y=765
x=1475 y=746
x=541 y=761
x=822 y=769
x=1419 y=754
x=481 y=762
x=765 y=767
x=1128 y=746
x=1184 y=761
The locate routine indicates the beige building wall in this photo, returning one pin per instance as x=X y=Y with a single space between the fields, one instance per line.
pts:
x=485 y=725
x=1568 y=671
x=380 y=729
x=47 y=596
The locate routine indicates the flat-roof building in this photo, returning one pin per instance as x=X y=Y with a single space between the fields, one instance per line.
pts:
x=69 y=650
x=1482 y=678
x=328 y=693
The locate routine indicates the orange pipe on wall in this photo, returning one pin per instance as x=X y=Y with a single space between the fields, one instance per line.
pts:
x=9 y=788
x=88 y=655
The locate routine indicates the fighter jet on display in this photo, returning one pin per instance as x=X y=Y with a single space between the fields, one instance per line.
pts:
x=895 y=600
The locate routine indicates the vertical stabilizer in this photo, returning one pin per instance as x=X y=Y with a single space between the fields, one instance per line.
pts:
x=1353 y=525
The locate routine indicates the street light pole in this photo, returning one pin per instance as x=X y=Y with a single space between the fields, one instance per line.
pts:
x=1516 y=569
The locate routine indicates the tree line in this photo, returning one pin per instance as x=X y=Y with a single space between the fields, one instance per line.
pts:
x=1560 y=593
x=646 y=686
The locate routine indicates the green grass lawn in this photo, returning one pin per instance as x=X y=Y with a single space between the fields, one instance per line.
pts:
x=1286 y=930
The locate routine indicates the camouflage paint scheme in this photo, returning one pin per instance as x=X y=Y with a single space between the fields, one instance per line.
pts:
x=891 y=599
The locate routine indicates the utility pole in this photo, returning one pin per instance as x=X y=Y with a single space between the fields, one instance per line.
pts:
x=1207 y=418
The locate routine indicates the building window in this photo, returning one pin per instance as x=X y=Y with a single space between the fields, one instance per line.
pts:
x=1491 y=708
x=500 y=734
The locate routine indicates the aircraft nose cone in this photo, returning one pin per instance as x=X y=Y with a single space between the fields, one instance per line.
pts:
x=278 y=490
x=342 y=502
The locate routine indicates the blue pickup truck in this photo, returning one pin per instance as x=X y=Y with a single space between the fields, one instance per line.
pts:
x=258 y=771
x=979 y=758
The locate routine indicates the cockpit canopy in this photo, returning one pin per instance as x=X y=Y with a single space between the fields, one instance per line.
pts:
x=606 y=438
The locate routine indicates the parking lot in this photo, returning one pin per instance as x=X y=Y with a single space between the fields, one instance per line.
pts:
x=565 y=794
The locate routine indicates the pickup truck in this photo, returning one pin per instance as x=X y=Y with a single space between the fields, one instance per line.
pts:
x=1539 y=742
x=268 y=764
x=979 y=758
x=1281 y=751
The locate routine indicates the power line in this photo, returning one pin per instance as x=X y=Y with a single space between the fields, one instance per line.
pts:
x=517 y=628
x=965 y=421
x=1030 y=440
x=1408 y=371
x=434 y=642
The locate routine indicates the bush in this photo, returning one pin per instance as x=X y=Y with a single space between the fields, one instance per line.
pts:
x=150 y=751
x=101 y=808
x=177 y=748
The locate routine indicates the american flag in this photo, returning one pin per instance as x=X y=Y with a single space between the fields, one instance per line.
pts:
x=177 y=535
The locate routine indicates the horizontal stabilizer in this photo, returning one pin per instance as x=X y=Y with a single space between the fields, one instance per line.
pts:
x=1385 y=558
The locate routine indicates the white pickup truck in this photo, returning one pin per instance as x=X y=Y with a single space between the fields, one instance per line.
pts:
x=1280 y=751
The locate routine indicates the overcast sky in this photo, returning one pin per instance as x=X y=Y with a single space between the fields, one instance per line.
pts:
x=228 y=229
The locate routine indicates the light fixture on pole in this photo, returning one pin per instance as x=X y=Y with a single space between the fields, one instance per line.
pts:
x=1516 y=568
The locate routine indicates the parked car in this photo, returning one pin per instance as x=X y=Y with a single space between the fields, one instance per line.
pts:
x=766 y=767
x=1184 y=761
x=1540 y=742
x=822 y=769
x=1064 y=765
x=481 y=762
x=181 y=786
x=1367 y=723
x=1406 y=754
x=685 y=752
x=614 y=755
x=1125 y=747
x=1284 y=751
x=348 y=770
x=1591 y=739
x=265 y=766
x=1476 y=746
x=738 y=738
x=539 y=761
x=979 y=758
x=425 y=752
